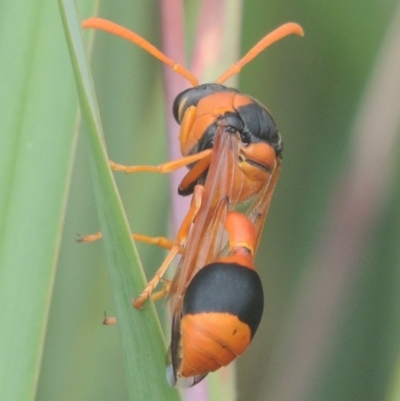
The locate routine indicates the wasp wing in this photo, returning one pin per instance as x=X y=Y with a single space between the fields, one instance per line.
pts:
x=204 y=242
x=259 y=207
x=205 y=239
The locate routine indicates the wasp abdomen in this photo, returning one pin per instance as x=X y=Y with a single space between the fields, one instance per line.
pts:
x=221 y=312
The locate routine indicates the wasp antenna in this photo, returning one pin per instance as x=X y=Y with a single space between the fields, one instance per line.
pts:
x=279 y=33
x=118 y=30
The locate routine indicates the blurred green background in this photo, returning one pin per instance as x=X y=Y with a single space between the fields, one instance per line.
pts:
x=329 y=259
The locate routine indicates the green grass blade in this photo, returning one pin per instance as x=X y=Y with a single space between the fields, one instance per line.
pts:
x=36 y=145
x=142 y=340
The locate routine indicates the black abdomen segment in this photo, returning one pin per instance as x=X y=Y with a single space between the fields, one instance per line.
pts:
x=226 y=288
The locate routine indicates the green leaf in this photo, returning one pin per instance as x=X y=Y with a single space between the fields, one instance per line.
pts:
x=143 y=343
x=37 y=139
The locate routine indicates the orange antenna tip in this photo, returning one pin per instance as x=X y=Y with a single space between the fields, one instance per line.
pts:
x=292 y=28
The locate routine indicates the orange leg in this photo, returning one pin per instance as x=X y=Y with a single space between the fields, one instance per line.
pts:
x=109 y=320
x=194 y=173
x=89 y=237
x=162 y=242
x=164 y=168
x=178 y=244
x=169 y=167
x=155 y=296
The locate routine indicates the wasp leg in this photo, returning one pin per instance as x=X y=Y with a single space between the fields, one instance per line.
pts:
x=189 y=180
x=179 y=242
x=162 y=242
x=164 y=168
x=163 y=292
x=109 y=320
x=89 y=237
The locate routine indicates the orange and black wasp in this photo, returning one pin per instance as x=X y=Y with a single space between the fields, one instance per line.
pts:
x=232 y=147
x=221 y=309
